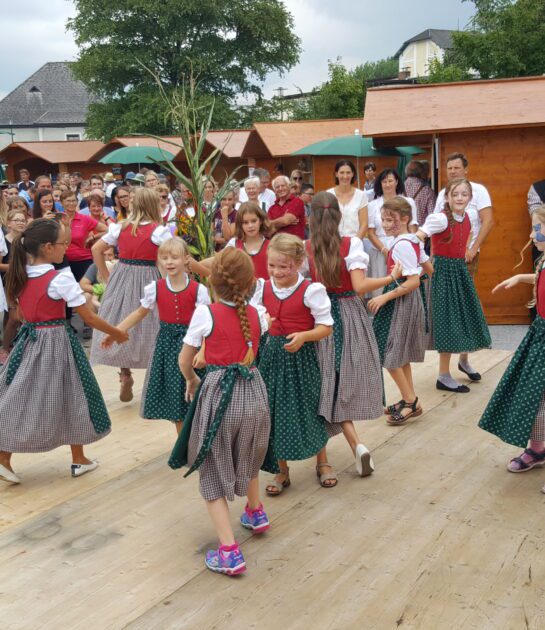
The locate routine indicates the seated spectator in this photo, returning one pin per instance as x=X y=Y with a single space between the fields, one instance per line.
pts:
x=92 y=284
x=418 y=189
x=97 y=209
x=287 y=214
x=25 y=182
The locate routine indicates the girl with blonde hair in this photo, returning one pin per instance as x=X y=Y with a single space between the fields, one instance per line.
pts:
x=137 y=239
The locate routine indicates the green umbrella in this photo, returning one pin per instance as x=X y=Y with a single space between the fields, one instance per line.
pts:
x=352 y=146
x=137 y=155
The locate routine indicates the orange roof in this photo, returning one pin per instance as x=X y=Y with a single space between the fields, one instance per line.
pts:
x=231 y=141
x=416 y=109
x=283 y=138
x=59 y=151
x=145 y=141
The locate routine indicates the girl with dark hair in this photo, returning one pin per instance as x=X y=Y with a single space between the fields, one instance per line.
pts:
x=226 y=431
x=121 y=198
x=352 y=200
x=387 y=186
x=349 y=359
x=400 y=319
x=516 y=411
x=457 y=318
x=44 y=205
x=47 y=368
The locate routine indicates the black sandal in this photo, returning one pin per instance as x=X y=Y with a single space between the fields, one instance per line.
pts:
x=390 y=409
x=397 y=418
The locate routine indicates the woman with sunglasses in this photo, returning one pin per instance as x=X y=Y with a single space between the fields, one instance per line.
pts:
x=168 y=209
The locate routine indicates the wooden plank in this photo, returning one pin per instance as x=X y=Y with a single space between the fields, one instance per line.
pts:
x=134 y=540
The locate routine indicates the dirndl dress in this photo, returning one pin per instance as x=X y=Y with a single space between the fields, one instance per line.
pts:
x=517 y=404
x=226 y=431
x=49 y=396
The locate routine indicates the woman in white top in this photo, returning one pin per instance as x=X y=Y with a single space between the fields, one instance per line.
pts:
x=387 y=186
x=352 y=200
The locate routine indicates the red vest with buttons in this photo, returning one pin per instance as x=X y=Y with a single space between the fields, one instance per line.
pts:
x=226 y=345
x=140 y=246
x=540 y=293
x=176 y=307
x=36 y=305
x=346 y=282
x=290 y=314
x=458 y=245
x=390 y=263
x=259 y=259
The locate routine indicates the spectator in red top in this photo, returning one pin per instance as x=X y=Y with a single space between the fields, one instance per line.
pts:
x=287 y=214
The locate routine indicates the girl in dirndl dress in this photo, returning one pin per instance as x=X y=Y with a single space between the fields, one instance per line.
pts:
x=137 y=240
x=516 y=411
x=251 y=235
x=400 y=318
x=49 y=396
x=301 y=314
x=349 y=359
x=457 y=318
x=226 y=431
x=175 y=298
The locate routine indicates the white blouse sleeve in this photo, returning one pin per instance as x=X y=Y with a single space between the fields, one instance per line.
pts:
x=361 y=199
x=232 y=242
x=263 y=322
x=440 y=203
x=317 y=300
x=203 y=297
x=112 y=235
x=435 y=224
x=372 y=213
x=161 y=234
x=423 y=256
x=200 y=326
x=150 y=296
x=357 y=258
x=64 y=287
x=404 y=253
x=257 y=298
x=3 y=246
x=414 y=220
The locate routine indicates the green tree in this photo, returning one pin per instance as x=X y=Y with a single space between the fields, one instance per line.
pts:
x=230 y=45
x=504 y=39
x=343 y=94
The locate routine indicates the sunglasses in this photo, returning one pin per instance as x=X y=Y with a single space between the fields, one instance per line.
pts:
x=163 y=196
x=295 y=179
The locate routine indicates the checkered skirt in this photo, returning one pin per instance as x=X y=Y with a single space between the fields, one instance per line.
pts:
x=407 y=337
x=45 y=406
x=356 y=392
x=239 y=448
x=377 y=269
x=123 y=293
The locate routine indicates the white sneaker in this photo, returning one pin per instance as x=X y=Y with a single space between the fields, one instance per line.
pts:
x=81 y=469
x=7 y=475
x=364 y=461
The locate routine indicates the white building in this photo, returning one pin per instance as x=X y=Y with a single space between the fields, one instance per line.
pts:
x=49 y=105
x=416 y=53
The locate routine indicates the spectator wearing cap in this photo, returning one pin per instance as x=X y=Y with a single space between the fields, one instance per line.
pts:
x=25 y=182
x=287 y=214
x=135 y=180
x=109 y=184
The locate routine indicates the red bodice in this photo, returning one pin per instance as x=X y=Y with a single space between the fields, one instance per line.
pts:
x=176 y=307
x=139 y=246
x=36 y=305
x=458 y=245
x=259 y=259
x=540 y=293
x=290 y=314
x=226 y=345
x=346 y=282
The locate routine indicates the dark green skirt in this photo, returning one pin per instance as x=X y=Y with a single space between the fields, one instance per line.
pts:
x=164 y=388
x=293 y=384
x=512 y=410
x=457 y=316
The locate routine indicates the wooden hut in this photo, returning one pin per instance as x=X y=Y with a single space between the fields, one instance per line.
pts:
x=500 y=126
x=51 y=158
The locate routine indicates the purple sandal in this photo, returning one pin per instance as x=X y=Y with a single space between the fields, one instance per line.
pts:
x=538 y=459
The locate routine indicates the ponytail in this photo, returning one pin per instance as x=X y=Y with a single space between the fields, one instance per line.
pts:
x=29 y=243
x=325 y=240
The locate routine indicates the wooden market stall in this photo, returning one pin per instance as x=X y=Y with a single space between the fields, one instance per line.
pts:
x=500 y=126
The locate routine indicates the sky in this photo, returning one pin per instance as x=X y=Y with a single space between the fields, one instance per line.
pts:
x=355 y=30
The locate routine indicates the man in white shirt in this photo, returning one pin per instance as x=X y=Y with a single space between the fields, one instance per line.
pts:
x=482 y=221
x=266 y=195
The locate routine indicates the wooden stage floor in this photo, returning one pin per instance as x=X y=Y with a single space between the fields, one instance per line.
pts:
x=441 y=536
